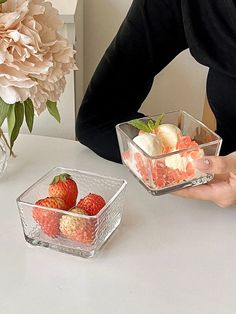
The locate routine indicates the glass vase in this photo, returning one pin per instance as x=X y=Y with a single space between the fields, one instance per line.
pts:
x=3 y=156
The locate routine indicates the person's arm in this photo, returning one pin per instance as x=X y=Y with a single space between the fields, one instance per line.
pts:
x=222 y=189
x=148 y=39
x=119 y=85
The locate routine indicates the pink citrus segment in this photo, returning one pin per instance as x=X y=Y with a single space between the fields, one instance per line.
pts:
x=166 y=150
x=190 y=169
x=194 y=154
x=186 y=142
x=126 y=155
x=141 y=166
x=164 y=176
x=161 y=174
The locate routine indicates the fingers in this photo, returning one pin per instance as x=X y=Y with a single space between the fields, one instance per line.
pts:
x=202 y=192
x=221 y=193
x=217 y=165
x=222 y=189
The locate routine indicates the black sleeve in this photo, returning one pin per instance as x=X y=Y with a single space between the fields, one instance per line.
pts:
x=148 y=39
x=210 y=28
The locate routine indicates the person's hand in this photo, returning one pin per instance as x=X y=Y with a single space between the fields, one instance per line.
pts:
x=222 y=189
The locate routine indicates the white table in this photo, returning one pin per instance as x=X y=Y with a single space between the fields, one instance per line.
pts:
x=168 y=256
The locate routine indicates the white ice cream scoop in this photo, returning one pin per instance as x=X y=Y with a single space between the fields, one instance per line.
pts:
x=176 y=162
x=169 y=135
x=180 y=162
x=150 y=143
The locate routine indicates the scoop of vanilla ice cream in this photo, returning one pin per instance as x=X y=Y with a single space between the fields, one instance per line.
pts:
x=176 y=162
x=169 y=135
x=150 y=143
x=180 y=162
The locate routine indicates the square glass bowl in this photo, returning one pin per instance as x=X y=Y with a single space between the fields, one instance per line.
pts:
x=163 y=174
x=94 y=230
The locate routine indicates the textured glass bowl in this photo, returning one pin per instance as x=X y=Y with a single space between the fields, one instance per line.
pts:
x=98 y=228
x=150 y=171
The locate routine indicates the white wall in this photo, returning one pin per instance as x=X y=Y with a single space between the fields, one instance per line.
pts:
x=79 y=56
x=180 y=85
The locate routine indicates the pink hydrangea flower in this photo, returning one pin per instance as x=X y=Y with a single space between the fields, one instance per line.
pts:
x=34 y=56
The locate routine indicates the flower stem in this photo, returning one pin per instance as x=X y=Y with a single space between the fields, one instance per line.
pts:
x=7 y=144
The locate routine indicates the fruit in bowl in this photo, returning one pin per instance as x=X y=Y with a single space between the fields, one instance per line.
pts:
x=156 y=139
x=48 y=220
x=72 y=211
x=63 y=193
x=77 y=229
x=160 y=151
x=63 y=186
x=82 y=229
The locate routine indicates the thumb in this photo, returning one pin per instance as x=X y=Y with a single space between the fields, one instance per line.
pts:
x=217 y=165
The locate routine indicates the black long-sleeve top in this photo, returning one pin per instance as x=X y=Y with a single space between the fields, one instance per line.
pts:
x=152 y=34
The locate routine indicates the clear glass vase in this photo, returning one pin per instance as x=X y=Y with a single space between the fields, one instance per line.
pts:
x=3 y=156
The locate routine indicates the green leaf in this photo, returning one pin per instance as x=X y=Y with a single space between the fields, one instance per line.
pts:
x=158 y=120
x=61 y=177
x=4 y=107
x=2 y=1
x=29 y=113
x=148 y=126
x=11 y=119
x=52 y=108
x=140 y=125
x=151 y=124
x=15 y=119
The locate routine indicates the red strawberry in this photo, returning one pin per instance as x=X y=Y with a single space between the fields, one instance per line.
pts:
x=91 y=203
x=77 y=229
x=47 y=219
x=64 y=186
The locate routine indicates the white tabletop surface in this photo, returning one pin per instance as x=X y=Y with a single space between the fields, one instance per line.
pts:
x=168 y=256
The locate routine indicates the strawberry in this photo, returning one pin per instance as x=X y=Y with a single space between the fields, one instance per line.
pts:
x=47 y=219
x=92 y=203
x=63 y=186
x=78 y=229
